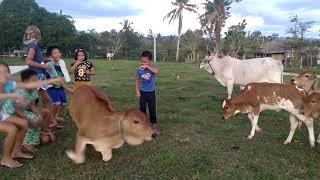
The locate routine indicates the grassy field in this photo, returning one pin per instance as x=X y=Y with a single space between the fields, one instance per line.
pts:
x=195 y=142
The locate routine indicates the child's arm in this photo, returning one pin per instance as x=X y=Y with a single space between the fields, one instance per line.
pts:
x=138 y=87
x=10 y=96
x=153 y=70
x=32 y=63
x=92 y=71
x=20 y=114
x=37 y=84
x=73 y=67
x=69 y=90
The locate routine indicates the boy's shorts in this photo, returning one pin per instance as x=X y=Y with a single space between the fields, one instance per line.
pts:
x=57 y=95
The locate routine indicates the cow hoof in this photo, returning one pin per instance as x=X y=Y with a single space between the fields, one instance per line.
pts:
x=249 y=137
x=75 y=158
x=258 y=130
x=106 y=156
x=287 y=142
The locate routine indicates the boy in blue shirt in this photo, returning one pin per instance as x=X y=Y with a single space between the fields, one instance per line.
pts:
x=146 y=87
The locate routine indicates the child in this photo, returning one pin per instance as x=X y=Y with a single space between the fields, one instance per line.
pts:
x=82 y=69
x=145 y=88
x=14 y=127
x=29 y=111
x=57 y=93
x=34 y=60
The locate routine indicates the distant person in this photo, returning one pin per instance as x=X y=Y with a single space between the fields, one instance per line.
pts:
x=146 y=88
x=57 y=92
x=82 y=69
x=34 y=60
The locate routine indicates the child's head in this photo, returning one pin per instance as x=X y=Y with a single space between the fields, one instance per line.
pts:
x=54 y=53
x=28 y=76
x=80 y=55
x=4 y=73
x=145 y=58
x=31 y=34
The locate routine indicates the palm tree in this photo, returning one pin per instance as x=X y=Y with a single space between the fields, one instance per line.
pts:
x=177 y=13
x=214 y=18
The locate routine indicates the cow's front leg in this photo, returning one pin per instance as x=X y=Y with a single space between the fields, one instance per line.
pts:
x=250 y=116
x=309 y=124
x=229 y=88
x=293 y=126
x=254 y=121
x=107 y=154
x=318 y=139
x=77 y=155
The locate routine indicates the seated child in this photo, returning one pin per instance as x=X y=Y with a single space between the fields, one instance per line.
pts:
x=28 y=110
x=14 y=127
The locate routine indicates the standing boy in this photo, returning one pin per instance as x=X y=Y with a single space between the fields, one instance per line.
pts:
x=146 y=88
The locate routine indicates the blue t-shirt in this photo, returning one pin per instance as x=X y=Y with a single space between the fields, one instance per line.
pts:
x=147 y=80
x=37 y=57
x=8 y=87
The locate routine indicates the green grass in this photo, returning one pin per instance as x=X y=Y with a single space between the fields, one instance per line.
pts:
x=195 y=142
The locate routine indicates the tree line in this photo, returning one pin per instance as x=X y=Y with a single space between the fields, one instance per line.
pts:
x=126 y=43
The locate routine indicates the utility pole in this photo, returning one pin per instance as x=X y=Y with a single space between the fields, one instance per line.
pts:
x=154 y=48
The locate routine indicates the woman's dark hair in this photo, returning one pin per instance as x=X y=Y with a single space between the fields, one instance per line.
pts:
x=77 y=53
x=5 y=65
x=27 y=74
x=50 y=49
x=147 y=54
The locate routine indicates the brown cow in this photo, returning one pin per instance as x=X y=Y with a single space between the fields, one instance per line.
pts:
x=257 y=97
x=308 y=80
x=100 y=125
x=311 y=107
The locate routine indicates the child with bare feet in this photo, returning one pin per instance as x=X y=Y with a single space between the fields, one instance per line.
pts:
x=14 y=127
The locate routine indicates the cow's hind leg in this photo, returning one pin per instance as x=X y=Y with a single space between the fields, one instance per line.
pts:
x=293 y=126
x=254 y=122
x=77 y=155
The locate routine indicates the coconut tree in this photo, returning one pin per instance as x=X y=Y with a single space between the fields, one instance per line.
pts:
x=214 y=18
x=177 y=13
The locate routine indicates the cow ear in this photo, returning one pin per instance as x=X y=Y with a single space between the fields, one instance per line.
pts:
x=102 y=97
x=224 y=103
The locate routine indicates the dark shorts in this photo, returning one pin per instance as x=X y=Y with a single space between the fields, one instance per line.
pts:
x=57 y=95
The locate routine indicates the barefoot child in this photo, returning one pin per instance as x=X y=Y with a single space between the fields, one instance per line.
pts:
x=82 y=69
x=146 y=87
x=14 y=127
x=57 y=92
x=29 y=111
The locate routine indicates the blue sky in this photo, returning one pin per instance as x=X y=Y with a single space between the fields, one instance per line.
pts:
x=270 y=16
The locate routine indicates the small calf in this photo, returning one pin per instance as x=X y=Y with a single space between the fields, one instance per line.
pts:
x=311 y=107
x=257 y=97
x=307 y=80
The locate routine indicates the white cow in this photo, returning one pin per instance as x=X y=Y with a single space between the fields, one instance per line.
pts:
x=228 y=70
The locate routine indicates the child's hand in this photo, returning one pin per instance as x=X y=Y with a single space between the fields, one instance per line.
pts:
x=47 y=67
x=88 y=72
x=138 y=94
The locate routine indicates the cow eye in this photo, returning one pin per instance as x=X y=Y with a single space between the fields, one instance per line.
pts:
x=313 y=102
x=227 y=107
x=307 y=76
x=136 y=122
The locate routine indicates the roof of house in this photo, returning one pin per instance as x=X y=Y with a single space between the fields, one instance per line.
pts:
x=275 y=46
